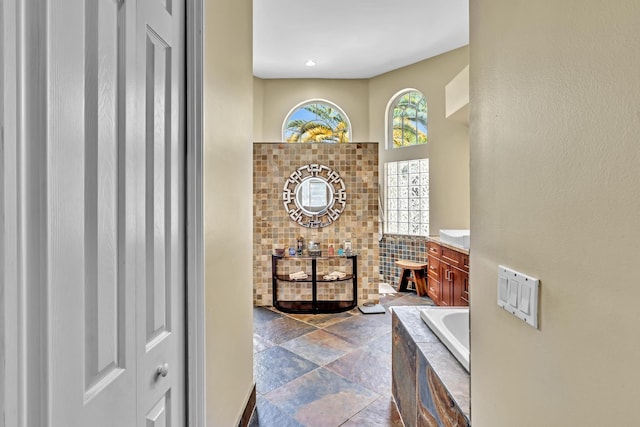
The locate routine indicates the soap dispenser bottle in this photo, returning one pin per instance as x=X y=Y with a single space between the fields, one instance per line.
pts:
x=300 y=245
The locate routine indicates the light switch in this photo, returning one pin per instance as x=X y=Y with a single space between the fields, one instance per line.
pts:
x=523 y=301
x=513 y=292
x=518 y=294
x=503 y=290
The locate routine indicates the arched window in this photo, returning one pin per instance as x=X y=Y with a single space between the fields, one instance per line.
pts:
x=316 y=120
x=407 y=119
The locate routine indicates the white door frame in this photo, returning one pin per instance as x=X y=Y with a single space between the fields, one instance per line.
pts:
x=195 y=225
x=24 y=196
x=24 y=332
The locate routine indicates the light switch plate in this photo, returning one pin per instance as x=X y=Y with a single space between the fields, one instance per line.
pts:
x=518 y=294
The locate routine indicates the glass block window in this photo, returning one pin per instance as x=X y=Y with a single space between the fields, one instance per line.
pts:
x=408 y=119
x=407 y=207
x=316 y=121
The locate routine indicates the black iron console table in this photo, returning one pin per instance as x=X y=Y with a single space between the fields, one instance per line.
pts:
x=315 y=305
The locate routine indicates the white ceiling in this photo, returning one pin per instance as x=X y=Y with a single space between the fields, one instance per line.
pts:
x=352 y=39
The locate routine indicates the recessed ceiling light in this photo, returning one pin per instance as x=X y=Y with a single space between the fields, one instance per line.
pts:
x=310 y=63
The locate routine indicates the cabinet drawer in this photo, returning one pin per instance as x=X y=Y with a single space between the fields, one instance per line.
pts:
x=453 y=258
x=433 y=269
x=434 y=249
x=433 y=290
x=465 y=262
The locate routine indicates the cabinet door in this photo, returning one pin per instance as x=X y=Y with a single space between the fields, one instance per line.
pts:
x=446 y=284
x=460 y=287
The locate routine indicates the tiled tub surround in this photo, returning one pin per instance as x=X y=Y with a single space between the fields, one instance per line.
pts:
x=395 y=247
x=429 y=386
x=357 y=164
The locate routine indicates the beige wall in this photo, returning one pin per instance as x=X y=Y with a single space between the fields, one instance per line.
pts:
x=555 y=194
x=448 y=146
x=365 y=102
x=228 y=112
x=258 y=101
x=278 y=97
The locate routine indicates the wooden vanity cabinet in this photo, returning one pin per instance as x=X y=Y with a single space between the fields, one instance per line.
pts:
x=448 y=275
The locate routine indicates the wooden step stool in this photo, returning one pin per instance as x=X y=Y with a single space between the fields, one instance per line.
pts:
x=418 y=269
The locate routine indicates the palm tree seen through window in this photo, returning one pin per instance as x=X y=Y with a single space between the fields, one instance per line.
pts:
x=317 y=122
x=409 y=120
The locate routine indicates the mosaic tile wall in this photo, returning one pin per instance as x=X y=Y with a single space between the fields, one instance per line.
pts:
x=393 y=248
x=357 y=164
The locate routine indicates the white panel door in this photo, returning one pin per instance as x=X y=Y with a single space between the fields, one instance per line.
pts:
x=91 y=219
x=161 y=253
x=115 y=214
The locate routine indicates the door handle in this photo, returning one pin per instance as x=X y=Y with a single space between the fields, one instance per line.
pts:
x=162 y=370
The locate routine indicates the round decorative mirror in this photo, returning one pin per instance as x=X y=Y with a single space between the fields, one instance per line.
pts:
x=314 y=196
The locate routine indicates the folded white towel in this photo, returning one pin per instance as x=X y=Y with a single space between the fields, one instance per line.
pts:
x=335 y=275
x=298 y=275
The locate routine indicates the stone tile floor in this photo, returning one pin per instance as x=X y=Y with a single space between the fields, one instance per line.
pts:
x=325 y=370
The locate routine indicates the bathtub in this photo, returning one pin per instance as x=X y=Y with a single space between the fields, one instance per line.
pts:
x=451 y=325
